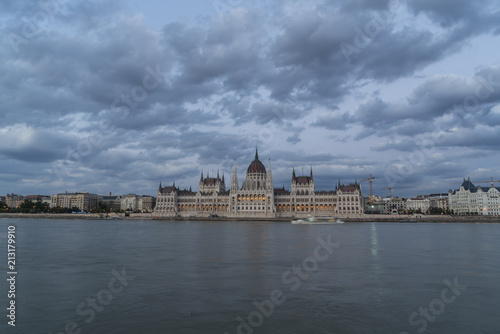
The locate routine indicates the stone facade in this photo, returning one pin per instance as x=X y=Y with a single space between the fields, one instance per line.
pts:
x=418 y=203
x=83 y=201
x=469 y=199
x=146 y=203
x=257 y=197
x=114 y=203
x=439 y=201
x=130 y=202
x=394 y=204
x=13 y=200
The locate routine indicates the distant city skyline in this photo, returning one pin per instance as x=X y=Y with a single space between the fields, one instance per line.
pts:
x=117 y=96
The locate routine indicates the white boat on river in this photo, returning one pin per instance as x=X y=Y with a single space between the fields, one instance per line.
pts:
x=314 y=220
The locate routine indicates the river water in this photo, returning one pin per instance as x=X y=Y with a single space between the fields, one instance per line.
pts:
x=85 y=276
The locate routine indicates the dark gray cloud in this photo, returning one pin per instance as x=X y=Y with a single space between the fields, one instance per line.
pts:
x=439 y=103
x=334 y=121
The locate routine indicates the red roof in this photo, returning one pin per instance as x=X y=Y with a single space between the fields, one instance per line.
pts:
x=209 y=181
x=303 y=180
x=256 y=167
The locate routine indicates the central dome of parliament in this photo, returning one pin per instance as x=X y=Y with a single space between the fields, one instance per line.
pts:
x=256 y=166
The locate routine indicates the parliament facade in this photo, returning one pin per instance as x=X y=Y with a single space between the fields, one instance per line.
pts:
x=258 y=198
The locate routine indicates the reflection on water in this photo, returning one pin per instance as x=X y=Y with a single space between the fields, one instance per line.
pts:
x=201 y=277
x=374 y=239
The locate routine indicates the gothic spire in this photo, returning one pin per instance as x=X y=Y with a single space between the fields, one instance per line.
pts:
x=256 y=153
x=234 y=180
x=269 y=177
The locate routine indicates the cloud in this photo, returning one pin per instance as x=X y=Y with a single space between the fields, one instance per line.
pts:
x=334 y=121
x=440 y=102
x=28 y=144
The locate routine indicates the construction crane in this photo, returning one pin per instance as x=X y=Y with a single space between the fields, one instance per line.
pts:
x=491 y=181
x=390 y=191
x=371 y=189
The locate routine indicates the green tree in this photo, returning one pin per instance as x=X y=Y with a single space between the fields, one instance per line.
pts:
x=101 y=208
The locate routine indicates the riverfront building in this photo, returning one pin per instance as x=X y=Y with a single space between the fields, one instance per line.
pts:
x=469 y=199
x=83 y=201
x=14 y=200
x=257 y=197
x=418 y=204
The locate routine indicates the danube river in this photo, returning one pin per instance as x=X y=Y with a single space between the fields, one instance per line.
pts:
x=85 y=276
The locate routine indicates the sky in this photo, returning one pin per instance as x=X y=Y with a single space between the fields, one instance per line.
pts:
x=120 y=95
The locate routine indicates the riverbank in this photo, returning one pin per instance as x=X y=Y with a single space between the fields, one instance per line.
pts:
x=360 y=218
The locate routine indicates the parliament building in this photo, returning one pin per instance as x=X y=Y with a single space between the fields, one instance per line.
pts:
x=257 y=197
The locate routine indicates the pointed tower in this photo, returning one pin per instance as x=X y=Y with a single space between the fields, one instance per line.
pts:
x=233 y=192
x=234 y=180
x=200 y=186
x=269 y=202
x=269 y=178
x=311 y=183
